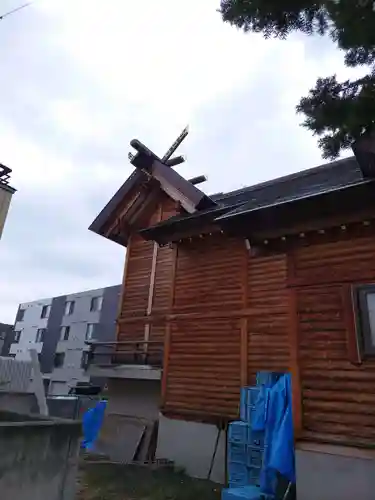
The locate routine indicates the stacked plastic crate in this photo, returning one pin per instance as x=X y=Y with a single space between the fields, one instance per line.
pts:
x=246 y=446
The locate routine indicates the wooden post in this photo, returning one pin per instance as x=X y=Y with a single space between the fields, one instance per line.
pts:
x=151 y=289
x=294 y=362
x=126 y=265
x=168 y=333
x=244 y=320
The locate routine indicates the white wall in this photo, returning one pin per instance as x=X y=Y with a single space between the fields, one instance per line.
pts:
x=334 y=474
x=191 y=445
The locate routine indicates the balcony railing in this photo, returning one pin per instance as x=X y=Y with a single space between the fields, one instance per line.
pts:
x=4 y=174
x=140 y=353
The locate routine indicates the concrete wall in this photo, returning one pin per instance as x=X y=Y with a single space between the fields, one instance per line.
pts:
x=15 y=376
x=38 y=458
x=191 y=445
x=18 y=402
x=330 y=473
x=136 y=398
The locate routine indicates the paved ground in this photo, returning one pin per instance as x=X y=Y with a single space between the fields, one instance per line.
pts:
x=98 y=481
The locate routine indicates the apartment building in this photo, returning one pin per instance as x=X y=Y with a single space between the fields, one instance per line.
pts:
x=58 y=328
x=6 y=193
x=6 y=338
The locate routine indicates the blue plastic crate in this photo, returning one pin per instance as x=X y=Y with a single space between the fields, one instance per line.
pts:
x=254 y=475
x=247 y=412
x=256 y=439
x=242 y=493
x=237 y=453
x=254 y=456
x=249 y=395
x=237 y=475
x=238 y=432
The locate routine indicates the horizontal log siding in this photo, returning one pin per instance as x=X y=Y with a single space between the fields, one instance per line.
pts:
x=268 y=344
x=204 y=368
x=338 y=397
x=208 y=275
x=204 y=356
x=138 y=281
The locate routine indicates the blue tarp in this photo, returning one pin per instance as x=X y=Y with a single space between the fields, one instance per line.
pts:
x=92 y=422
x=275 y=406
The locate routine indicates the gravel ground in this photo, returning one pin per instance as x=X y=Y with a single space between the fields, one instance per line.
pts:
x=103 y=481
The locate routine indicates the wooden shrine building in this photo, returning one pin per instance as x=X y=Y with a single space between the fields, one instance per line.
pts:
x=278 y=276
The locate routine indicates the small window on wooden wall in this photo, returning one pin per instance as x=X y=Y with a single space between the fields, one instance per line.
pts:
x=365 y=318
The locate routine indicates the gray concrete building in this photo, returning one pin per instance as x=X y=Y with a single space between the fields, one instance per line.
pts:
x=6 y=338
x=58 y=329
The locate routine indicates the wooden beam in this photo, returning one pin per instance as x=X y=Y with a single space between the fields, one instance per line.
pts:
x=222 y=314
x=179 y=188
x=293 y=337
x=173 y=162
x=198 y=180
x=151 y=289
x=244 y=346
x=353 y=349
x=122 y=293
x=168 y=332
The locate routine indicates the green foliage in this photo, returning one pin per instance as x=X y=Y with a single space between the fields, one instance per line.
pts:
x=338 y=112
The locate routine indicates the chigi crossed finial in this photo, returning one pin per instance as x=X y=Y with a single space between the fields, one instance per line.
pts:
x=144 y=154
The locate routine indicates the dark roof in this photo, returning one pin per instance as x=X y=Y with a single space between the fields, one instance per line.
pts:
x=313 y=181
x=309 y=183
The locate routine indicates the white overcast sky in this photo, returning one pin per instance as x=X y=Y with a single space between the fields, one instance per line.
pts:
x=81 y=78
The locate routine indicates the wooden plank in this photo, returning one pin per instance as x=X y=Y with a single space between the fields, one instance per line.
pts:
x=124 y=276
x=167 y=341
x=354 y=352
x=294 y=363
x=151 y=290
x=164 y=380
x=244 y=321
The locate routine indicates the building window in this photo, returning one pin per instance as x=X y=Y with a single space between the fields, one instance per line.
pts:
x=69 y=307
x=96 y=304
x=84 y=360
x=90 y=331
x=45 y=311
x=365 y=318
x=40 y=335
x=20 y=314
x=59 y=359
x=17 y=336
x=64 y=333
